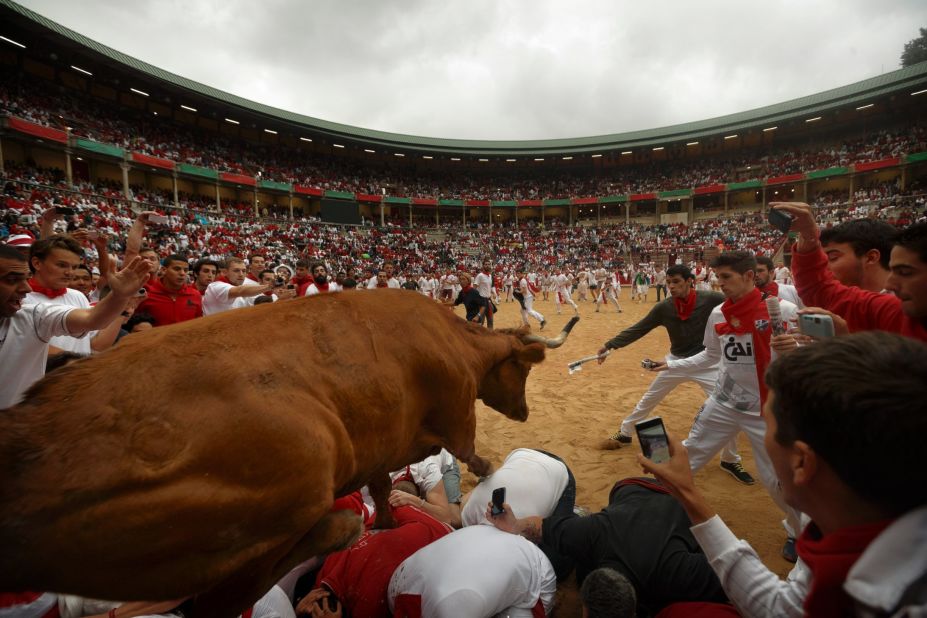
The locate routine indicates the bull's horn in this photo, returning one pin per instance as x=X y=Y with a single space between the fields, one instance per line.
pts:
x=557 y=341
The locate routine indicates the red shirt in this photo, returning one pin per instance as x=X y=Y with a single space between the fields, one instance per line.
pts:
x=862 y=309
x=359 y=575
x=168 y=307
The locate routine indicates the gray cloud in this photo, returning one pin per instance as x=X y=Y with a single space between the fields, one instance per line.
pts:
x=521 y=69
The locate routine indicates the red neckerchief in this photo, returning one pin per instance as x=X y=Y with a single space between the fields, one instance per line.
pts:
x=771 y=288
x=684 y=308
x=740 y=319
x=466 y=289
x=830 y=559
x=51 y=293
x=322 y=287
x=384 y=285
x=252 y=277
x=299 y=281
x=224 y=279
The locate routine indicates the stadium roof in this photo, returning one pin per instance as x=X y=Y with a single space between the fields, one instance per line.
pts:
x=896 y=82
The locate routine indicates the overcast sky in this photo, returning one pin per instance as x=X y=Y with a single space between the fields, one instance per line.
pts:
x=506 y=69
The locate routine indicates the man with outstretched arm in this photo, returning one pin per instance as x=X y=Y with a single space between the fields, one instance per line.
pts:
x=684 y=316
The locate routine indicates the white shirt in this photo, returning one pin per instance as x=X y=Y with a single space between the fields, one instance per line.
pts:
x=313 y=289
x=24 y=340
x=783 y=275
x=738 y=384
x=525 y=288
x=533 y=485
x=789 y=293
x=564 y=283
x=390 y=283
x=71 y=298
x=216 y=299
x=483 y=284
x=426 y=474
x=476 y=571
x=878 y=579
x=248 y=300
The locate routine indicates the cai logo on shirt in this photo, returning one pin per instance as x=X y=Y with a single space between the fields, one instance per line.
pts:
x=738 y=350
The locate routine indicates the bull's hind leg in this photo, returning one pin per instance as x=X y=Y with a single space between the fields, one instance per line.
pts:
x=335 y=531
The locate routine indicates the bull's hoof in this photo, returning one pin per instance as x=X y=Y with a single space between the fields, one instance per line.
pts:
x=384 y=520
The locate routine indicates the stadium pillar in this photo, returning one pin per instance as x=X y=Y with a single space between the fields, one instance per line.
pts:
x=851 y=198
x=691 y=210
x=543 y=208
x=176 y=198
x=291 y=204
x=257 y=214
x=764 y=199
x=516 y=214
x=490 y=214
x=463 y=211
x=218 y=198
x=598 y=214
x=904 y=177
x=627 y=213
x=2 y=170
x=410 y=215
x=804 y=191
x=68 y=171
x=382 y=215
x=570 y=218
x=125 y=179
x=726 y=193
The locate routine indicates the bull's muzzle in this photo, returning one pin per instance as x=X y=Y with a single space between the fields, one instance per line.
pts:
x=557 y=341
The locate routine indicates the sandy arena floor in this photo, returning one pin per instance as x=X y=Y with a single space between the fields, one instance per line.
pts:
x=570 y=415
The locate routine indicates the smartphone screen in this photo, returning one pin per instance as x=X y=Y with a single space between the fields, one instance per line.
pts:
x=654 y=443
x=780 y=220
x=498 y=499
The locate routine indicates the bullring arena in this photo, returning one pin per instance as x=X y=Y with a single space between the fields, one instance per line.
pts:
x=143 y=458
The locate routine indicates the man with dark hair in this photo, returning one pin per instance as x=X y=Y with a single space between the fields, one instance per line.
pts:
x=27 y=328
x=684 y=316
x=205 y=272
x=302 y=278
x=320 y=283
x=53 y=261
x=643 y=534
x=858 y=252
x=170 y=298
x=864 y=552
x=739 y=338
x=391 y=282
x=606 y=593
x=82 y=280
x=904 y=311
x=765 y=281
x=471 y=300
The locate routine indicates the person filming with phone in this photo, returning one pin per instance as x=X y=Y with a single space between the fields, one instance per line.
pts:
x=845 y=442
x=903 y=311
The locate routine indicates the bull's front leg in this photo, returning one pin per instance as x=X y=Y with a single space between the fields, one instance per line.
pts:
x=479 y=465
x=380 y=486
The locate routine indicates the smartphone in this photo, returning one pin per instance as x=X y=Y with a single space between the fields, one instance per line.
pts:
x=159 y=219
x=816 y=325
x=64 y=210
x=498 y=499
x=654 y=443
x=780 y=220
x=93 y=234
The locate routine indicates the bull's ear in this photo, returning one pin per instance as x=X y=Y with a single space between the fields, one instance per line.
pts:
x=532 y=353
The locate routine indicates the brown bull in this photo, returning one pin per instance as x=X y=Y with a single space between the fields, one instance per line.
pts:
x=204 y=458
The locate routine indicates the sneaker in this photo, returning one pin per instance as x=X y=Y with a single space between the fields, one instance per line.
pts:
x=615 y=441
x=736 y=470
x=788 y=550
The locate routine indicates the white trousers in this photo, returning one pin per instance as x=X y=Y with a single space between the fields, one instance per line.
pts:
x=662 y=385
x=714 y=426
x=529 y=311
x=565 y=298
x=604 y=296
